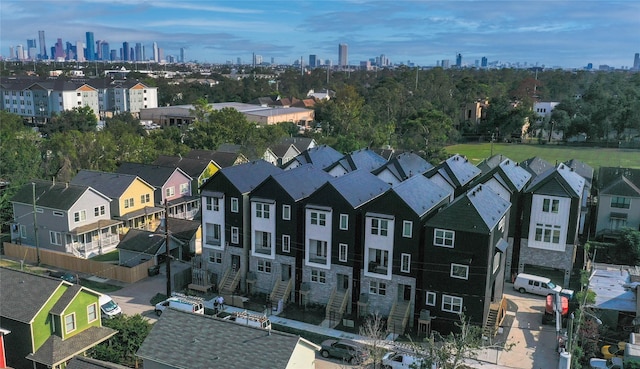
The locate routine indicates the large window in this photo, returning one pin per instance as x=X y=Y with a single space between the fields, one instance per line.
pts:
x=128 y=203
x=263 y=242
x=234 y=204
x=452 y=304
x=431 y=298
x=262 y=210
x=212 y=203
x=214 y=234
x=318 y=251
x=92 y=312
x=318 y=218
x=550 y=205
x=70 y=323
x=184 y=188
x=379 y=226
x=547 y=233
x=286 y=243
x=318 y=276
x=377 y=288
x=55 y=238
x=264 y=266
x=407 y=228
x=405 y=263
x=620 y=202
x=444 y=238
x=344 y=222
x=378 y=261
x=286 y=212
x=459 y=271
x=235 y=235
x=343 y=252
x=80 y=216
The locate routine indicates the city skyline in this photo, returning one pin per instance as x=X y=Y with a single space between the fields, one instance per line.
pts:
x=570 y=34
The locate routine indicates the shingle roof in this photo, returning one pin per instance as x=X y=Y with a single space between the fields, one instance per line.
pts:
x=302 y=181
x=581 y=168
x=536 y=165
x=200 y=341
x=111 y=184
x=155 y=175
x=622 y=187
x=55 y=350
x=64 y=300
x=83 y=362
x=142 y=241
x=220 y=158
x=183 y=229
x=280 y=149
x=245 y=177
x=420 y=194
x=610 y=175
x=477 y=211
x=569 y=182
x=364 y=159
x=405 y=165
x=518 y=176
x=359 y=187
x=490 y=163
x=51 y=195
x=20 y=303
x=320 y=156
x=458 y=169
x=193 y=167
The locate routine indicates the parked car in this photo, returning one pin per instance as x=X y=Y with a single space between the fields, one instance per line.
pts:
x=67 y=276
x=398 y=360
x=109 y=307
x=181 y=302
x=613 y=363
x=535 y=284
x=349 y=351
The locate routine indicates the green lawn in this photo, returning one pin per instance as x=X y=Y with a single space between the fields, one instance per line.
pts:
x=593 y=156
x=110 y=256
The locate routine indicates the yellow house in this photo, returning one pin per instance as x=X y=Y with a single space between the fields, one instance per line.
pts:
x=132 y=198
x=198 y=169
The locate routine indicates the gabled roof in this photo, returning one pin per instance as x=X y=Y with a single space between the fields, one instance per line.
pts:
x=536 y=165
x=55 y=350
x=609 y=176
x=110 y=184
x=155 y=175
x=221 y=159
x=302 y=181
x=24 y=294
x=245 y=177
x=63 y=302
x=518 y=176
x=490 y=163
x=457 y=169
x=53 y=195
x=145 y=242
x=420 y=194
x=622 y=187
x=581 y=168
x=229 y=147
x=405 y=165
x=301 y=143
x=320 y=156
x=388 y=153
x=558 y=181
x=359 y=187
x=365 y=159
x=183 y=229
x=193 y=167
x=206 y=340
x=477 y=211
x=279 y=150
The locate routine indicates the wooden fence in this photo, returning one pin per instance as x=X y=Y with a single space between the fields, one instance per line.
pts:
x=69 y=262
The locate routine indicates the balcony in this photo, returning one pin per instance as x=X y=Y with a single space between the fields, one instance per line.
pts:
x=318 y=259
x=375 y=267
x=264 y=250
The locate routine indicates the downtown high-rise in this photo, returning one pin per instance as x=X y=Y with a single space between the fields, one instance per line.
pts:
x=43 y=46
x=343 y=55
x=90 y=52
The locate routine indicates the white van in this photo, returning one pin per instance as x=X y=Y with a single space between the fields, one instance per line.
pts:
x=253 y=320
x=400 y=360
x=108 y=307
x=535 y=284
x=181 y=302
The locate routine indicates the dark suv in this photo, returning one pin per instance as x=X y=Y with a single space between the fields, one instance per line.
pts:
x=349 y=351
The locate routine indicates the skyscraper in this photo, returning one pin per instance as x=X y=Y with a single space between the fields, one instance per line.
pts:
x=343 y=57
x=636 y=61
x=182 y=54
x=483 y=62
x=459 y=60
x=138 y=56
x=156 y=53
x=43 y=46
x=126 y=51
x=31 y=48
x=91 y=51
x=59 y=50
x=313 y=61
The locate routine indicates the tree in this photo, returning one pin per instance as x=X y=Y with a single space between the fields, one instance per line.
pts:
x=628 y=247
x=81 y=119
x=122 y=348
x=374 y=329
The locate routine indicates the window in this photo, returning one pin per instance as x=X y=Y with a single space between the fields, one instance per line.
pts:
x=235 y=235
x=262 y=210
x=145 y=198
x=378 y=261
x=550 y=206
x=213 y=234
x=379 y=226
x=128 y=203
x=318 y=218
x=343 y=252
x=70 y=323
x=234 y=205
x=547 y=233
x=620 y=202
x=212 y=203
x=80 y=216
x=184 y=188
x=264 y=266
x=318 y=276
x=58 y=213
x=452 y=304
x=215 y=257
x=23 y=231
x=98 y=210
x=405 y=263
x=169 y=191
x=459 y=271
x=92 y=312
x=286 y=243
x=407 y=228
x=318 y=251
x=377 y=288
x=286 y=212
x=617 y=223
x=431 y=298
x=443 y=238
x=496 y=261
x=55 y=237
x=344 y=222
x=263 y=242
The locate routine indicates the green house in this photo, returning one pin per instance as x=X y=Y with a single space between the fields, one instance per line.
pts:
x=51 y=320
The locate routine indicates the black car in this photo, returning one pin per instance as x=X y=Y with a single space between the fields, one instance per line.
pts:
x=349 y=351
x=67 y=276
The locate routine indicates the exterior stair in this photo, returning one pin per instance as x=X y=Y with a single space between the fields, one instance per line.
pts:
x=281 y=291
x=497 y=311
x=229 y=283
x=336 y=305
x=398 y=317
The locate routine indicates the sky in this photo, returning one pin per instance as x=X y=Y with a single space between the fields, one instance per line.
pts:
x=552 y=33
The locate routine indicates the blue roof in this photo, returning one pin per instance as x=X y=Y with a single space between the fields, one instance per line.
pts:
x=359 y=187
x=245 y=177
x=111 y=184
x=574 y=181
x=518 y=176
x=405 y=165
x=461 y=169
x=536 y=165
x=611 y=294
x=420 y=193
x=302 y=181
x=320 y=156
x=490 y=206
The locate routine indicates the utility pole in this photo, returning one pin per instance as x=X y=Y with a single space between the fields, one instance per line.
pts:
x=35 y=224
x=168 y=254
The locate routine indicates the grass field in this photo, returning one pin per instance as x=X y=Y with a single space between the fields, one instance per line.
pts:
x=593 y=156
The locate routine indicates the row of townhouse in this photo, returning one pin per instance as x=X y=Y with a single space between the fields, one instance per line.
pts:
x=401 y=237
x=39 y=99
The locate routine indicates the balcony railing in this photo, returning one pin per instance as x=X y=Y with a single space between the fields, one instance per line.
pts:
x=263 y=250
x=318 y=259
x=377 y=268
